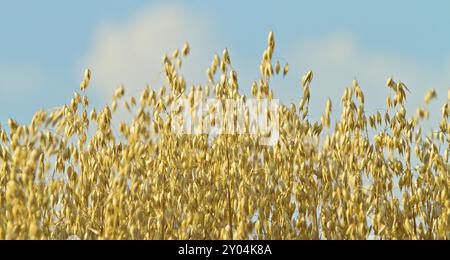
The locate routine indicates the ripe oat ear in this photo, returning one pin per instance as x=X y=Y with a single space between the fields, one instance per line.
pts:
x=76 y=172
x=277 y=67
x=186 y=49
x=430 y=95
x=285 y=70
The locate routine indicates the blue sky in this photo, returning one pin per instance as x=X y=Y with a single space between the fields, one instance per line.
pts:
x=45 y=46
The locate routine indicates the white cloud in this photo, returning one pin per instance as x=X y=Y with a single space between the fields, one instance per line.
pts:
x=338 y=58
x=131 y=53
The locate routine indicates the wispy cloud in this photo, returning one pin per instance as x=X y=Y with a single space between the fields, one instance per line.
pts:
x=131 y=52
x=339 y=58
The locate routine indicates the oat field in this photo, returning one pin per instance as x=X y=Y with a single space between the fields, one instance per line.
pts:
x=73 y=172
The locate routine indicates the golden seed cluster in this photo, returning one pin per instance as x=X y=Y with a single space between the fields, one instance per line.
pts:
x=72 y=172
